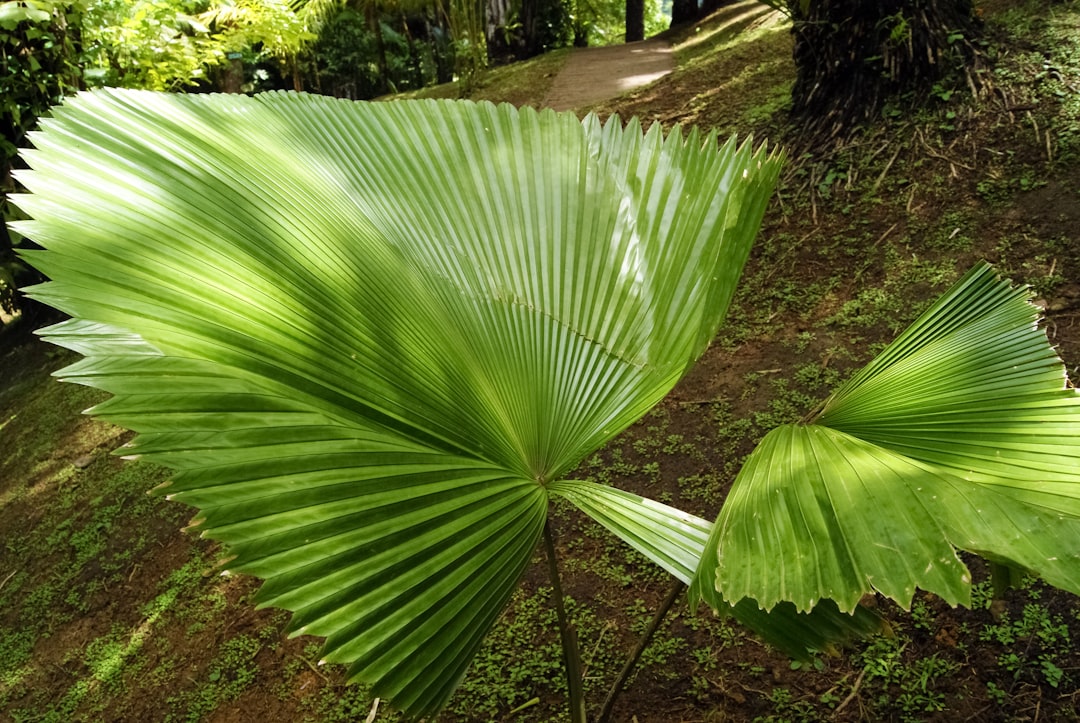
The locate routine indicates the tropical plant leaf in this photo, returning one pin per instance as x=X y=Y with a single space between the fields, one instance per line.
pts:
x=800 y=634
x=962 y=434
x=369 y=336
x=675 y=540
x=671 y=538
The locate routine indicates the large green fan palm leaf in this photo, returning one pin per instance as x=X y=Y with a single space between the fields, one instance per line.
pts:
x=368 y=337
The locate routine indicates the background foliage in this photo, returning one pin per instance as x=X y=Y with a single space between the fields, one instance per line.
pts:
x=602 y=22
x=38 y=42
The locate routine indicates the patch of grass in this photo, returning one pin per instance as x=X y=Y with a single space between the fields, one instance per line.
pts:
x=741 y=23
x=663 y=647
x=1033 y=646
x=16 y=648
x=1035 y=260
x=345 y=704
x=899 y=685
x=999 y=187
x=524 y=83
x=522 y=659
x=706 y=488
x=776 y=100
x=109 y=666
x=92 y=541
x=952 y=233
x=788 y=709
x=786 y=405
x=817 y=379
x=231 y=672
x=909 y=286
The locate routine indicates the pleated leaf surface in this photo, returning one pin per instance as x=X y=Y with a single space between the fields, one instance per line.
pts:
x=962 y=435
x=368 y=336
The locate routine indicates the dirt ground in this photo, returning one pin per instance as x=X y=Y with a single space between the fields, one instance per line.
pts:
x=592 y=75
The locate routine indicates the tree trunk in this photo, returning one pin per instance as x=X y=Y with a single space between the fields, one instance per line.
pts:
x=545 y=25
x=499 y=16
x=635 y=20
x=530 y=13
x=683 y=11
x=853 y=56
x=375 y=26
x=232 y=79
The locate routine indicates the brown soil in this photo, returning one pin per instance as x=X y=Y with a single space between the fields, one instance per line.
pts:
x=591 y=75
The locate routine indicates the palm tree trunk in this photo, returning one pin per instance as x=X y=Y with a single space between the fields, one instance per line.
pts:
x=853 y=56
x=232 y=79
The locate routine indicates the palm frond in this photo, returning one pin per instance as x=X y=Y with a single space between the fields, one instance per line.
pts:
x=369 y=337
x=963 y=434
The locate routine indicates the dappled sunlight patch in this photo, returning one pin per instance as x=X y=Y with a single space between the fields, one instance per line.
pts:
x=722 y=62
x=29 y=498
x=739 y=23
x=634 y=81
x=109 y=657
x=7 y=319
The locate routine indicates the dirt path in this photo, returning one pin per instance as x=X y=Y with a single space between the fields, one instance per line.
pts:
x=595 y=74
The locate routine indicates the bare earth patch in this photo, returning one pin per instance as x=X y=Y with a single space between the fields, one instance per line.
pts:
x=595 y=74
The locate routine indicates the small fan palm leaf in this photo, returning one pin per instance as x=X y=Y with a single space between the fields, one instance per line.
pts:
x=962 y=435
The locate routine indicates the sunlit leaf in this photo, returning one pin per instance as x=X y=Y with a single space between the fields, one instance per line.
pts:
x=368 y=337
x=963 y=434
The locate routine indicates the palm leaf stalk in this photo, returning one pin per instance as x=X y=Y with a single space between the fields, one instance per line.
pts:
x=371 y=339
x=575 y=679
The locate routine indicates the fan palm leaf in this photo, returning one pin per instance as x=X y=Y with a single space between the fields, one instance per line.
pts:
x=370 y=338
x=962 y=435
